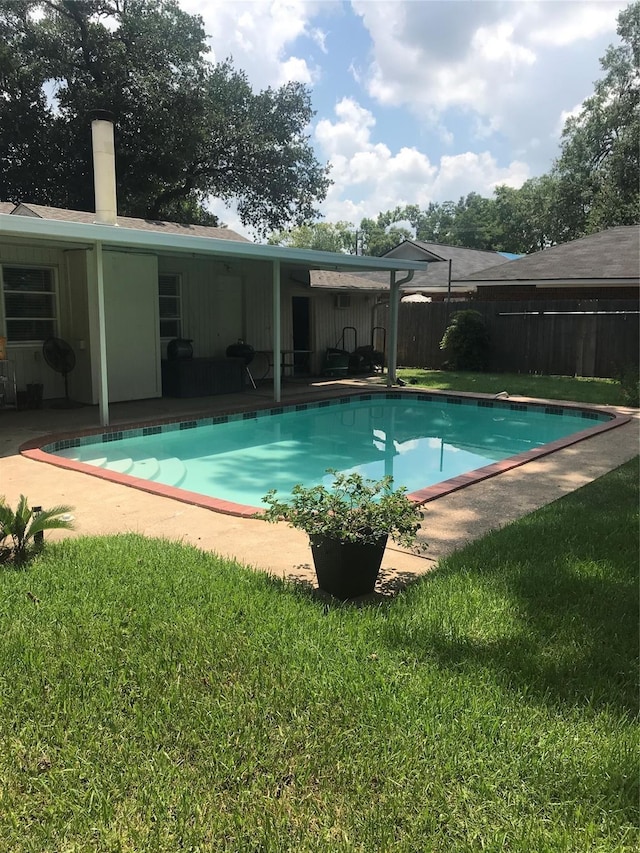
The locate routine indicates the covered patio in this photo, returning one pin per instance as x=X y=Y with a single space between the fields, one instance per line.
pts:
x=107 y=278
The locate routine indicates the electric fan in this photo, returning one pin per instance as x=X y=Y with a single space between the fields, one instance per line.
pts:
x=60 y=357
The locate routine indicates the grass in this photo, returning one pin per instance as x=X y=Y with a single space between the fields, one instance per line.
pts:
x=606 y=392
x=154 y=697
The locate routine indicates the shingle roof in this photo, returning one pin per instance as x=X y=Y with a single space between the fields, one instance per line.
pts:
x=63 y=215
x=329 y=280
x=435 y=276
x=610 y=254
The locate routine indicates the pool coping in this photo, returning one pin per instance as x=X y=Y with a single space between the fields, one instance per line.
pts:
x=33 y=449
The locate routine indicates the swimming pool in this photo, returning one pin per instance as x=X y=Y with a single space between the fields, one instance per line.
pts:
x=430 y=443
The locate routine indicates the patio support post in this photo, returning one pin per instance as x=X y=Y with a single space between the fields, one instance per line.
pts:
x=394 y=307
x=394 y=300
x=103 y=385
x=277 y=355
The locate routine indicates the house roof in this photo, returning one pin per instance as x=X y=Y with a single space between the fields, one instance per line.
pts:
x=434 y=277
x=611 y=256
x=55 y=226
x=330 y=280
x=61 y=215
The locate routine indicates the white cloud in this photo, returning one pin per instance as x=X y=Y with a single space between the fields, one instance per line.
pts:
x=565 y=27
x=370 y=178
x=320 y=38
x=256 y=34
x=495 y=44
x=461 y=173
x=511 y=67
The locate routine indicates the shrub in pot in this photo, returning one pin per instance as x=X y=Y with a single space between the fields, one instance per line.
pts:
x=348 y=524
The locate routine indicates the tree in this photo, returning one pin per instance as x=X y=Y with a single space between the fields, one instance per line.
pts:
x=186 y=129
x=469 y=222
x=599 y=166
x=377 y=236
x=372 y=237
x=323 y=236
x=527 y=218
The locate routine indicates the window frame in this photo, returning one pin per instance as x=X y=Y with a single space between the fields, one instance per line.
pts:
x=53 y=294
x=178 y=317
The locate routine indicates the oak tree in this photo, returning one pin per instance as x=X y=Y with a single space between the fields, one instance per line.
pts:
x=186 y=129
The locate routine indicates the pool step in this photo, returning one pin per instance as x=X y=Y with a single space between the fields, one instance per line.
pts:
x=98 y=461
x=120 y=466
x=171 y=471
x=146 y=469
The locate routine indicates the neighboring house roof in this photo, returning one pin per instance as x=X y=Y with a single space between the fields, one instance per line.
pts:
x=435 y=276
x=61 y=215
x=611 y=256
x=329 y=280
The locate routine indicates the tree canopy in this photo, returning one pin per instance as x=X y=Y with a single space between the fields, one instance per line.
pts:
x=186 y=129
x=599 y=166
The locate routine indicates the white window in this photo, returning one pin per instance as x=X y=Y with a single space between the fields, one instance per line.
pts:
x=30 y=306
x=170 y=305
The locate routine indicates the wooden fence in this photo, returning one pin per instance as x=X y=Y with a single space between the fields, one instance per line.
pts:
x=568 y=337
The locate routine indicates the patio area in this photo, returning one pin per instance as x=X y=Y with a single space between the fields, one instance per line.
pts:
x=450 y=521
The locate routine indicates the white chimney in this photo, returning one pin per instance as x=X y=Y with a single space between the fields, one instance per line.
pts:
x=104 y=167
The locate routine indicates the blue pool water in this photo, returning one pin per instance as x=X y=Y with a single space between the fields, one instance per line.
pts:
x=418 y=439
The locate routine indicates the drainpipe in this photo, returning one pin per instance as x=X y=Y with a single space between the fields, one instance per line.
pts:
x=394 y=303
x=104 y=167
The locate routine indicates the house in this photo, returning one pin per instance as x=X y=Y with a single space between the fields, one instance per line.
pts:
x=443 y=264
x=117 y=290
x=603 y=265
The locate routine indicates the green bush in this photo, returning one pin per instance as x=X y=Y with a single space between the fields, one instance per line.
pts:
x=466 y=342
x=630 y=386
x=22 y=530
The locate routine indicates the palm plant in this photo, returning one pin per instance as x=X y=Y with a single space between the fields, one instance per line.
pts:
x=24 y=528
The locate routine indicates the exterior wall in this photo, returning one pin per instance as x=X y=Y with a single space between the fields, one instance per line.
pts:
x=258 y=314
x=326 y=322
x=27 y=358
x=329 y=324
x=212 y=303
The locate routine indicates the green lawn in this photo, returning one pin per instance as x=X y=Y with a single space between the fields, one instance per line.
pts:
x=153 y=697
x=607 y=392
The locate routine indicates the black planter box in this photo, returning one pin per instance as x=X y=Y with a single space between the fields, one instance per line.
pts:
x=346 y=569
x=202 y=377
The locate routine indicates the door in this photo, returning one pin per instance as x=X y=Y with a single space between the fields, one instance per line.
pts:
x=132 y=325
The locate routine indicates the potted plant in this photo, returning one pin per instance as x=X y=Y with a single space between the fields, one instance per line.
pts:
x=348 y=524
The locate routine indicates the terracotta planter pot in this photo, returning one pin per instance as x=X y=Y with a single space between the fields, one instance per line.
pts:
x=346 y=569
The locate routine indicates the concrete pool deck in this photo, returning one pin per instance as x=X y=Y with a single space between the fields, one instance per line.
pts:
x=450 y=522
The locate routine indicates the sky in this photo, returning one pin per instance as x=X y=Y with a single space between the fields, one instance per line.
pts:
x=420 y=100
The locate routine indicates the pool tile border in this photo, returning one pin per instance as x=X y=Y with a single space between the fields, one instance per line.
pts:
x=44 y=448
